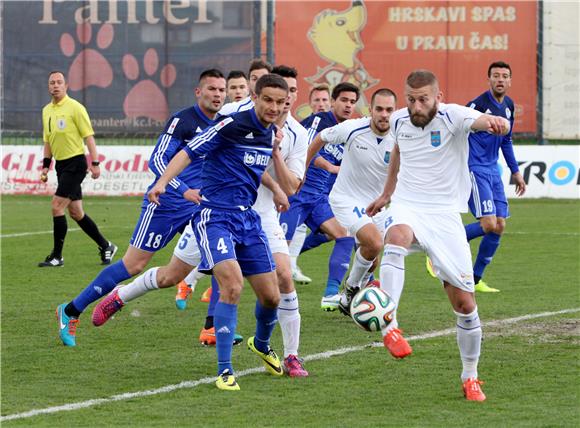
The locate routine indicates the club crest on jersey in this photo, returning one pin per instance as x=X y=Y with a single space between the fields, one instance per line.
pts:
x=254 y=158
x=61 y=123
x=435 y=138
x=508 y=113
x=387 y=157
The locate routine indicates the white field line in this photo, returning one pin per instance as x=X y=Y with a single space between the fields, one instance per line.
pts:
x=74 y=229
x=209 y=380
x=49 y=232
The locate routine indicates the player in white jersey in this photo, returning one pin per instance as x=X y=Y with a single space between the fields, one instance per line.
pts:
x=365 y=162
x=428 y=183
x=292 y=156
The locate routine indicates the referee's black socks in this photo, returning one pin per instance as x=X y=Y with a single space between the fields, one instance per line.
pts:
x=90 y=228
x=59 y=228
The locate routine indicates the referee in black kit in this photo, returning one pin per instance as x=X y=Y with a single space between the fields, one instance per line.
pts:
x=66 y=125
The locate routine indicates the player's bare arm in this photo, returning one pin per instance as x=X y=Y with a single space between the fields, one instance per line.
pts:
x=322 y=163
x=492 y=124
x=192 y=195
x=390 y=184
x=174 y=168
x=520 y=183
x=280 y=198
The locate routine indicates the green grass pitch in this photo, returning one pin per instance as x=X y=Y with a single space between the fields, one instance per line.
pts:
x=530 y=367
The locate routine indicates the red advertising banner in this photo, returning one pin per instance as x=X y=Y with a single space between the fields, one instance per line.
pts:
x=376 y=44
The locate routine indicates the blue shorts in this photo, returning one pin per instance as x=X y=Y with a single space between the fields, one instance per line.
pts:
x=487 y=195
x=158 y=224
x=305 y=208
x=232 y=235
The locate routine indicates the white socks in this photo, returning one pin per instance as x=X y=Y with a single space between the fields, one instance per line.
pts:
x=289 y=320
x=393 y=276
x=296 y=244
x=192 y=278
x=469 y=341
x=359 y=270
x=141 y=285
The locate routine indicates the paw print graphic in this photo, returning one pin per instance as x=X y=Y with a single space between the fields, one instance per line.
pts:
x=89 y=67
x=146 y=99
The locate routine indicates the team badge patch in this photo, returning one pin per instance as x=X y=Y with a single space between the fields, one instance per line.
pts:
x=387 y=157
x=61 y=123
x=435 y=138
x=508 y=113
x=250 y=158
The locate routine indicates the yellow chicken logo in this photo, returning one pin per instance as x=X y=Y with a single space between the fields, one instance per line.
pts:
x=336 y=38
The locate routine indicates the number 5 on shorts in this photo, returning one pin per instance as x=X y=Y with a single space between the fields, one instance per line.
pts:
x=222 y=247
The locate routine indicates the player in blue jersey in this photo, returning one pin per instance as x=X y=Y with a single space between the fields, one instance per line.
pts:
x=488 y=202
x=157 y=224
x=228 y=231
x=311 y=204
x=257 y=69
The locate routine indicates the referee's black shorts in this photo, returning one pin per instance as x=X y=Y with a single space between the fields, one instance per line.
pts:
x=70 y=174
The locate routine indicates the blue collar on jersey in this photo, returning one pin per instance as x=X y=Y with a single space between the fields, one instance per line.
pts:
x=332 y=117
x=493 y=100
x=257 y=121
x=202 y=115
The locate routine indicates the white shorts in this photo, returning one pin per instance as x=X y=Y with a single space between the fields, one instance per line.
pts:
x=186 y=248
x=274 y=233
x=352 y=216
x=442 y=237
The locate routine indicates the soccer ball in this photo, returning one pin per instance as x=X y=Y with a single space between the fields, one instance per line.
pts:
x=372 y=309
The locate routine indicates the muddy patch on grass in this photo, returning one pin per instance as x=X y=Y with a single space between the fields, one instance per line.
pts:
x=554 y=331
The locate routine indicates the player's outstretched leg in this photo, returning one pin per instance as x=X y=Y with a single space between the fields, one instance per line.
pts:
x=392 y=280
x=113 y=303
x=104 y=283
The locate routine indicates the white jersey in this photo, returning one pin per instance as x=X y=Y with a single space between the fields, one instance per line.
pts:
x=236 y=107
x=294 y=146
x=433 y=175
x=365 y=160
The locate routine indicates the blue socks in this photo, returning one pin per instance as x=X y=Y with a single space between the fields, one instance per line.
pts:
x=265 y=322
x=215 y=296
x=339 y=262
x=101 y=285
x=313 y=240
x=487 y=249
x=225 y=323
x=332 y=287
x=473 y=230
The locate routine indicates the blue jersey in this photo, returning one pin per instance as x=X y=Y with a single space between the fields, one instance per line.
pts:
x=319 y=181
x=237 y=150
x=484 y=147
x=180 y=129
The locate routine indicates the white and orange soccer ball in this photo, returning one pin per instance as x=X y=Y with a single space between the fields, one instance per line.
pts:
x=372 y=309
